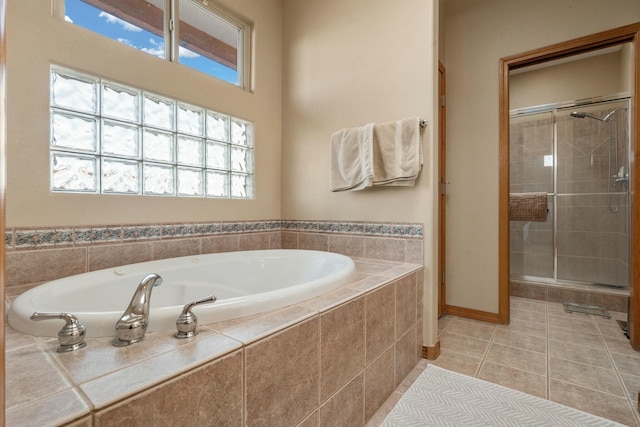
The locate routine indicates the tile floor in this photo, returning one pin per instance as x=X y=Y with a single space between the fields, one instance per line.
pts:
x=578 y=360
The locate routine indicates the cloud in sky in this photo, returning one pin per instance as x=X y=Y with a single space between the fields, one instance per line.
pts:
x=156 y=49
x=186 y=53
x=124 y=24
x=66 y=18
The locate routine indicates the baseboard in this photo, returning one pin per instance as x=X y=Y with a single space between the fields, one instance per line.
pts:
x=431 y=352
x=470 y=313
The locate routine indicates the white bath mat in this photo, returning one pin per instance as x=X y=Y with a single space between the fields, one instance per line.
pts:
x=444 y=398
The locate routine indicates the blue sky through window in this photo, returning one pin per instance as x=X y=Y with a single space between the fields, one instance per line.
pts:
x=84 y=15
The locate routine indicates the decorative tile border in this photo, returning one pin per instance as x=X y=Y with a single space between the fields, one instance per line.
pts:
x=43 y=238
x=405 y=230
x=97 y=235
x=20 y=238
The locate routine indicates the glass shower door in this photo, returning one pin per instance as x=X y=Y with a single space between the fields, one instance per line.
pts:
x=592 y=211
x=531 y=170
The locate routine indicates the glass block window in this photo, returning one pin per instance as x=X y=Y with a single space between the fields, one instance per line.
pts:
x=112 y=139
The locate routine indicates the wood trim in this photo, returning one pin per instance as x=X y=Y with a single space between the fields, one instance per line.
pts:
x=572 y=47
x=442 y=198
x=628 y=33
x=431 y=352
x=469 y=313
x=504 y=306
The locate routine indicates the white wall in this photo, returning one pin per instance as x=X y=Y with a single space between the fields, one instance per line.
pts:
x=35 y=40
x=478 y=33
x=570 y=81
x=348 y=63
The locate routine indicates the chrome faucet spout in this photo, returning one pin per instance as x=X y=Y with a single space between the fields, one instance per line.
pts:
x=134 y=321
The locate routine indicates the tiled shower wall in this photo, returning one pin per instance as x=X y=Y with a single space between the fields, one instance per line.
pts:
x=592 y=241
x=531 y=243
x=37 y=255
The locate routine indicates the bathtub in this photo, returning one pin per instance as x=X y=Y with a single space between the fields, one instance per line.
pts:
x=245 y=283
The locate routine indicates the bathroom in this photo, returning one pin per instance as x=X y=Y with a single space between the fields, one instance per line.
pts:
x=305 y=84
x=282 y=34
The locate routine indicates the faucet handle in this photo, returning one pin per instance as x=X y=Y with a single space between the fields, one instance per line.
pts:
x=71 y=336
x=187 y=321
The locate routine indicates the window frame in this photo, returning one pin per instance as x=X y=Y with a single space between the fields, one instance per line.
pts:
x=171 y=33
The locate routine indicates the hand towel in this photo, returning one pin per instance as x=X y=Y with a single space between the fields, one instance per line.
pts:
x=528 y=207
x=397 y=152
x=351 y=166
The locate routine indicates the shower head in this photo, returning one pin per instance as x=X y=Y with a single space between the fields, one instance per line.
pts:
x=582 y=115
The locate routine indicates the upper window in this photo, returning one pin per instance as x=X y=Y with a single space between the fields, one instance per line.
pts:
x=195 y=34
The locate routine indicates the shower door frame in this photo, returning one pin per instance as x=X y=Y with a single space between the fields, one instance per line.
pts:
x=617 y=36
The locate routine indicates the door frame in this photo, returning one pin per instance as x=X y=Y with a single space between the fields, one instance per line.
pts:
x=442 y=187
x=629 y=33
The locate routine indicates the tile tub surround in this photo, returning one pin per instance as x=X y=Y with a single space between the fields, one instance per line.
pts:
x=333 y=359
x=38 y=255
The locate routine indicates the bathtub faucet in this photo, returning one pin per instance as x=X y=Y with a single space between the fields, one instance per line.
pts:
x=133 y=323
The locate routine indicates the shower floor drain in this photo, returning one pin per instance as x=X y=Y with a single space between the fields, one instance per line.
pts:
x=572 y=307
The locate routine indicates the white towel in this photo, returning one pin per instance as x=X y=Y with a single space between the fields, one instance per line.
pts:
x=351 y=166
x=397 y=152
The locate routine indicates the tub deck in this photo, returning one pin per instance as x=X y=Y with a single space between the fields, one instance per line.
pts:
x=361 y=339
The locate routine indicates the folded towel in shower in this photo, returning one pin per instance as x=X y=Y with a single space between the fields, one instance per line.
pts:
x=351 y=163
x=528 y=207
x=397 y=152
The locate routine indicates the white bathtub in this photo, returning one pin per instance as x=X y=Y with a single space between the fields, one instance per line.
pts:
x=245 y=283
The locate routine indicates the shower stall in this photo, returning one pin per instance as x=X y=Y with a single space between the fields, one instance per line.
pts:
x=577 y=153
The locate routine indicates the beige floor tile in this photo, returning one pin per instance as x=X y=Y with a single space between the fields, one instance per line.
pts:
x=516 y=379
x=612 y=330
x=593 y=377
x=529 y=316
x=632 y=384
x=463 y=344
x=457 y=362
x=620 y=346
x=520 y=340
x=528 y=304
x=518 y=358
x=471 y=329
x=573 y=323
x=547 y=352
x=592 y=401
x=580 y=353
x=557 y=309
x=443 y=322
x=575 y=337
x=627 y=364
x=615 y=316
x=525 y=327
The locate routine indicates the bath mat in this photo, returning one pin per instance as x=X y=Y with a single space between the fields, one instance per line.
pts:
x=443 y=398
